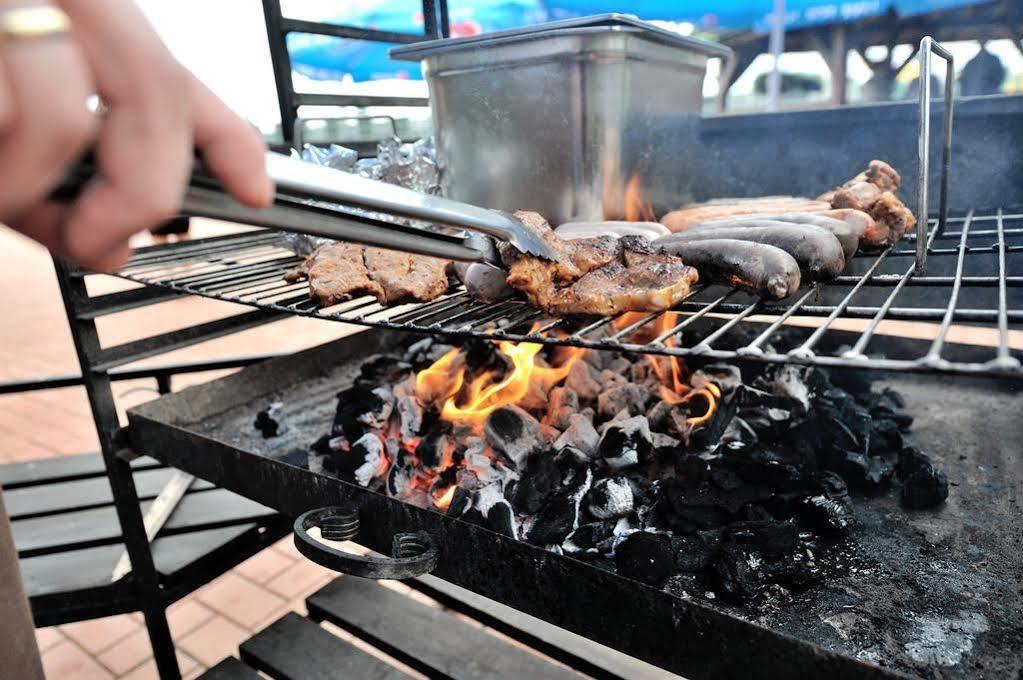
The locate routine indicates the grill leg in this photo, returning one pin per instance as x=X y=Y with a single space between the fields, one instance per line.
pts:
x=104 y=413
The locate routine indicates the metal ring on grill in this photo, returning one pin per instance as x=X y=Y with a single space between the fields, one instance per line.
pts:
x=412 y=553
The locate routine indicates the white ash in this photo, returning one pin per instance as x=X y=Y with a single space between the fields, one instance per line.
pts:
x=378 y=419
x=610 y=379
x=582 y=381
x=626 y=443
x=486 y=497
x=372 y=451
x=725 y=376
x=609 y=498
x=790 y=381
x=579 y=434
x=630 y=397
x=513 y=432
x=410 y=411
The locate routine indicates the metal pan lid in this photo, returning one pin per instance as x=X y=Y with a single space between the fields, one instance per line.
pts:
x=611 y=22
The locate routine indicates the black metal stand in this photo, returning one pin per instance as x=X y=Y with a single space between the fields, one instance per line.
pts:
x=122 y=484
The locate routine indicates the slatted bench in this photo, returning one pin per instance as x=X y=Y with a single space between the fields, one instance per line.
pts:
x=451 y=636
x=68 y=536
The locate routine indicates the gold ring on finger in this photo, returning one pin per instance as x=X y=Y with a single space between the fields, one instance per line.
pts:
x=39 y=21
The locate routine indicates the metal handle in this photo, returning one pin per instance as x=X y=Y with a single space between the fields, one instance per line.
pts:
x=412 y=553
x=928 y=46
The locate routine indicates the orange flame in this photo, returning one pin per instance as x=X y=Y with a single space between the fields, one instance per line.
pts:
x=637 y=208
x=711 y=393
x=441 y=380
x=443 y=499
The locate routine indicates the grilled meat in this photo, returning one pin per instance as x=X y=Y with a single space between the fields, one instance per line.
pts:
x=601 y=276
x=757 y=268
x=873 y=192
x=577 y=230
x=342 y=271
x=723 y=209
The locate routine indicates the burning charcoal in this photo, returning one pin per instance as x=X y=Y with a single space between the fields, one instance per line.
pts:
x=562 y=403
x=581 y=381
x=401 y=475
x=626 y=443
x=363 y=461
x=586 y=538
x=559 y=517
x=825 y=515
x=539 y=481
x=738 y=435
x=725 y=376
x=696 y=551
x=645 y=557
x=579 y=434
x=628 y=396
x=923 y=485
x=659 y=413
x=410 y=412
x=610 y=380
x=268 y=422
x=434 y=452
x=548 y=435
x=574 y=466
x=619 y=366
x=461 y=502
x=618 y=419
x=512 y=431
x=739 y=571
x=610 y=498
x=770 y=537
x=501 y=519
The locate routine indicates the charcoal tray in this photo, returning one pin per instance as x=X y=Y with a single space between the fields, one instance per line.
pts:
x=929 y=593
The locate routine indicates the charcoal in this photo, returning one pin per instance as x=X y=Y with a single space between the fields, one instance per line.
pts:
x=683 y=507
x=461 y=502
x=619 y=365
x=790 y=382
x=665 y=445
x=630 y=396
x=562 y=402
x=433 y=451
x=501 y=519
x=363 y=461
x=738 y=435
x=558 y=518
x=659 y=413
x=382 y=369
x=726 y=376
x=579 y=434
x=627 y=443
x=885 y=435
x=480 y=355
x=268 y=425
x=587 y=538
x=610 y=379
x=581 y=380
x=410 y=411
x=646 y=557
x=867 y=474
x=696 y=551
x=574 y=466
x=739 y=571
x=352 y=405
x=770 y=537
x=548 y=435
x=512 y=431
x=923 y=484
x=779 y=469
x=401 y=475
x=610 y=498
x=832 y=485
x=827 y=516
x=539 y=481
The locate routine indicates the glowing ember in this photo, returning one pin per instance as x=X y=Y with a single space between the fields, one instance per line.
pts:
x=443 y=379
x=443 y=499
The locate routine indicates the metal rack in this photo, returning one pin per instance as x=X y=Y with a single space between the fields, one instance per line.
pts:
x=248 y=268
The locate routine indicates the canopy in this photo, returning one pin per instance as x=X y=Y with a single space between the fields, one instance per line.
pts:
x=335 y=58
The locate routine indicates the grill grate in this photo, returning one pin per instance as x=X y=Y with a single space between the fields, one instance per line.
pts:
x=875 y=291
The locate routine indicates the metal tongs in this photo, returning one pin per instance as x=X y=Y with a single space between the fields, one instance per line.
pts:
x=304 y=189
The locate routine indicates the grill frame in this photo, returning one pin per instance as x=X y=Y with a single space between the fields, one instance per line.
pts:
x=248 y=269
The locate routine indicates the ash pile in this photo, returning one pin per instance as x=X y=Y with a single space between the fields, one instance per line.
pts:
x=717 y=482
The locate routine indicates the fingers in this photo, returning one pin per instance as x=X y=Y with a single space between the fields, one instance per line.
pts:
x=231 y=149
x=145 y=147
x=48 y=125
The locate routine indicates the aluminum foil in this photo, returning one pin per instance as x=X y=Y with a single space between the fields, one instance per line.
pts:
x=413 y=166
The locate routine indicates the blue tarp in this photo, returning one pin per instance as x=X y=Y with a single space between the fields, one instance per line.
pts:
x=334 y=58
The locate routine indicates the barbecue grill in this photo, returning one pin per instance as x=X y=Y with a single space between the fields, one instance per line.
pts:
x=945 y=583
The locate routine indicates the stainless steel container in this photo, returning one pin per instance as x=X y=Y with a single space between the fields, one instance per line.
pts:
x=559 y=117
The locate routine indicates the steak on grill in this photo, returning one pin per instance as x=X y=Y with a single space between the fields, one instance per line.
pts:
x=601 y=276
x=342 y=271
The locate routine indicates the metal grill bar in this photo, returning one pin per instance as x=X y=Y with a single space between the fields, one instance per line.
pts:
x=249 y=269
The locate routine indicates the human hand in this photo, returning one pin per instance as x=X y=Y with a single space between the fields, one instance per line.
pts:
x=157 y=113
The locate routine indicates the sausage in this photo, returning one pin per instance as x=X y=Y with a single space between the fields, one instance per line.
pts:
x=482 y=281
x=873 y=234
x=648 y=230
x=724 y=209
x=818 y=252
x=846 y=235
x=757 y=268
